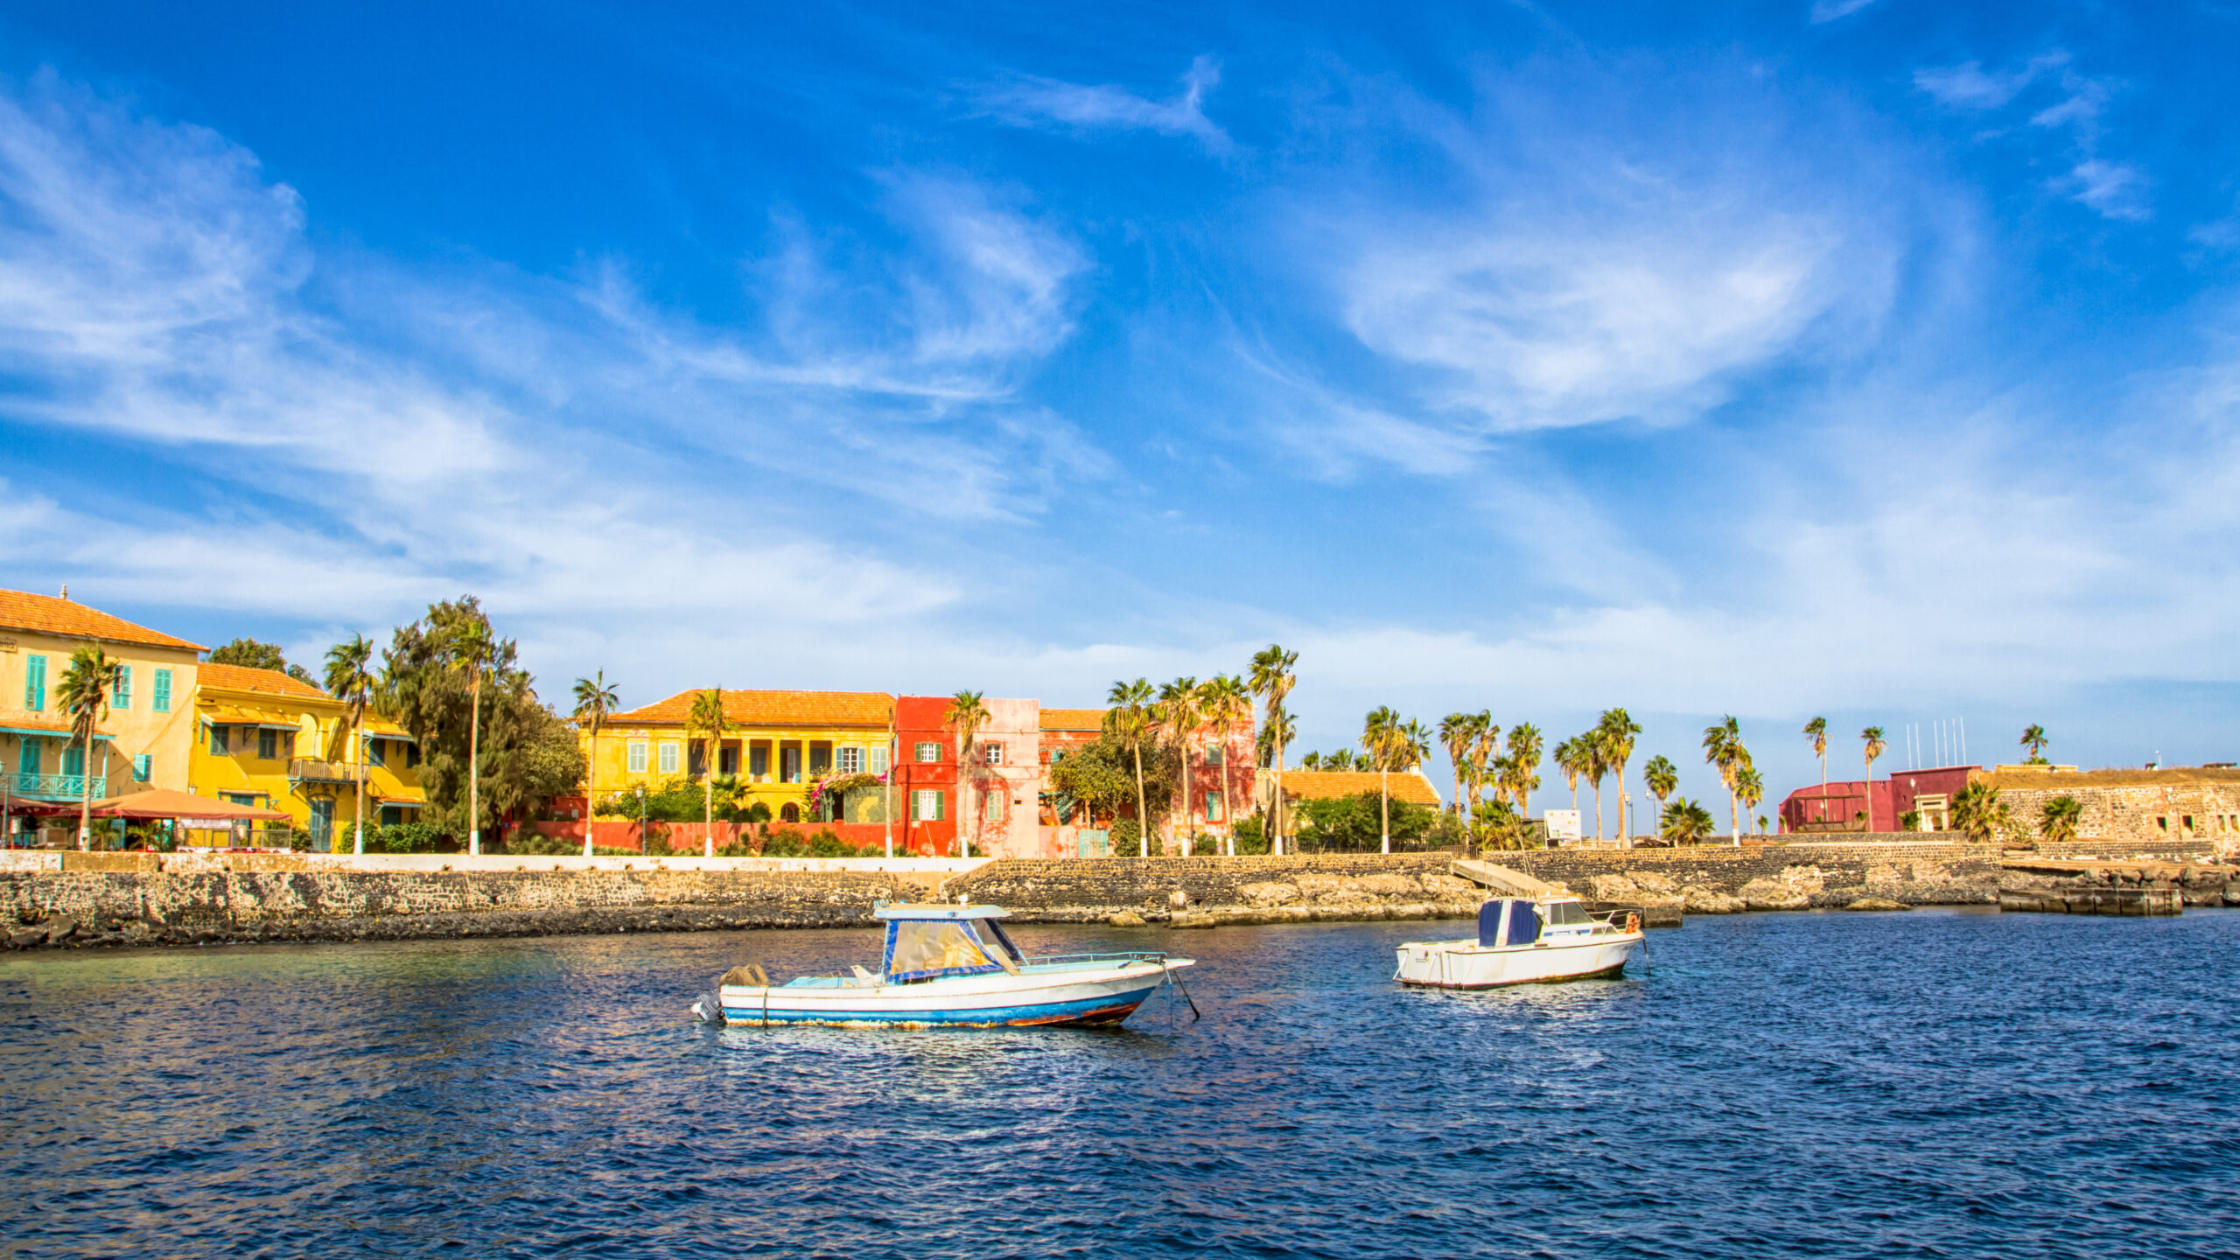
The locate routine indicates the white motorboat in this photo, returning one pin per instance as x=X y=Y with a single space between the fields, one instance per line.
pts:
x=949 y=966
x=1524 y=940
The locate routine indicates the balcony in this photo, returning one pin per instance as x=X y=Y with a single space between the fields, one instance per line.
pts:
x=56 y=787
x=304 y=770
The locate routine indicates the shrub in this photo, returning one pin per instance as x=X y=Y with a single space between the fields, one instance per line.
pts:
x=412 y=837
x=827 y=843
x=785 y=842
x=1124 y=835
x=529 y=843
x=1205 y=846
x=1251 y=835
x=1353 y=824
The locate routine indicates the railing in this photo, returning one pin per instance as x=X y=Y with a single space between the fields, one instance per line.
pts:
x=303 y=770
x=67 y=787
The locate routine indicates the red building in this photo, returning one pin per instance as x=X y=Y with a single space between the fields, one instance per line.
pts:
x=1858 y=805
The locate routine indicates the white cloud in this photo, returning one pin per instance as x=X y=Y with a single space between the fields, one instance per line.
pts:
x=1830 y=10
x=1104 y=107
x=1970 y=86
x=2115 y=189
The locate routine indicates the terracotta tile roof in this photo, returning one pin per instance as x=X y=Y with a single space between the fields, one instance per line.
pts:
x=1073 y=719
x=242 y=678
x=1316 y=785
x=46 y=614
x=772 y=708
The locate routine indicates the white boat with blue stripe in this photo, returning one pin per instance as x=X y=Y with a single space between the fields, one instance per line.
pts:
x=950 y=966
x=1525 y=940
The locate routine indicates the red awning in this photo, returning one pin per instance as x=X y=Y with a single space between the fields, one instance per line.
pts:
x=165 y=803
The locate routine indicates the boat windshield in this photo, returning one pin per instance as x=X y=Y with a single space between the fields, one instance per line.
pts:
x=922 y=949
x=1566 y=914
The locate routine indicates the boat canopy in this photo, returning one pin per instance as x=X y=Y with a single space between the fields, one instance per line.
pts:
x=935 y=911
x=924 y=948
x=1519 y=916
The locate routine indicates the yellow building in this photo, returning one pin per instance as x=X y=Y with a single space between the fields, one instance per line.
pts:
x=784 y=739
x=276 y=742
x=143 y=740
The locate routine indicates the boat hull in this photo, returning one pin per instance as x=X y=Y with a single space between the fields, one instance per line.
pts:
x=1469 y=965
x=1107 y=997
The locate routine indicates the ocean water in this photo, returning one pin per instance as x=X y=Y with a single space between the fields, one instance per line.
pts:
x=1940 y=1083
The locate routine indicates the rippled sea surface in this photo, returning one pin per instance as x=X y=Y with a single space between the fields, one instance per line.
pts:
x=1935 y=1084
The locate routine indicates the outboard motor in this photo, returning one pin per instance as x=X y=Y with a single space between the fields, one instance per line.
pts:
x=708 y=1009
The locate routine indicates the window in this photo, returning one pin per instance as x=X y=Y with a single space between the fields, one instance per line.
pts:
x=162 y=702
x=411 y=754
x=879 y=759
x=268 y=745
x=850 y=760
x=789 y=765
x=668 y=758
x=35 y=683
x=992 y=754
x=27 y=761
x=758 y=761
x=120 y=693
x=377 y=751
x=820 y=759
x=991 y=806
x=928 y=751
x=2163 y=822
x=928 y=805
x=2186 y=822
x=1213 y=807
x=143 y=766
x=727 y=762
x=1213 y=755
x=219 y=744
x=1057 y=755
x=637 y=756
x=73 y=759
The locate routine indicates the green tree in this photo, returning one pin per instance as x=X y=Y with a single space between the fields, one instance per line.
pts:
x=1275 y=733
x=1750 y=788
x=1723 y=751
x=351 y=679
x=706 y=719
x=1380 y=737
x=1182 y=712
x=1362 y=822
x=1872 y=737
x=1274 y=673
x=1979 y=814
x=2034 y=739
x=250 y=654
x=1686 y=822
x=83 y=698
x=594 y=701
x=1129 y=721
x=1662 y=779
x=2060 y=818
x=1573 y=758
x=1458 y=734
x=1227 y=702
x=1483 y=749
x=1617 y=731
x=473 y=740
x=1521 y=770
x=967 y=714
x=1816 y=730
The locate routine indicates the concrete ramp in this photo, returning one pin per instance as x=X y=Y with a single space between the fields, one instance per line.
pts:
x=1502 y=880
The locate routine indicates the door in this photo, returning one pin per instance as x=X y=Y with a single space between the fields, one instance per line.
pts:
x=322 y=826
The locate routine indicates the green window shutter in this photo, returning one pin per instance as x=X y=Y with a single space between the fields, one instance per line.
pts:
x=162 y=703
x=35 y=683
x=27 y=759
x=142 y=767
x=940 y=806
x=120 y=696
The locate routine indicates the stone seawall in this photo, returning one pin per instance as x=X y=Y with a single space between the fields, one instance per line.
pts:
x=256 y=899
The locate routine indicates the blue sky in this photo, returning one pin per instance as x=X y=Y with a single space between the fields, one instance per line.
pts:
x=1875 y=359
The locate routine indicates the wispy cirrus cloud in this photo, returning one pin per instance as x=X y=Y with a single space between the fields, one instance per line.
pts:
x=1040 y=102
x=2116 y=189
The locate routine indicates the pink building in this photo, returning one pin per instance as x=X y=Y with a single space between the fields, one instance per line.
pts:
x=1858 y=805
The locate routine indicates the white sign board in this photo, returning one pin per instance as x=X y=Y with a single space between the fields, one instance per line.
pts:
x=1563 y=824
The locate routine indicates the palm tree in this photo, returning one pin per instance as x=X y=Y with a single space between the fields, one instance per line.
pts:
x=1483 y=749
x=1979 y=814
x=1380 y=739
x=474 y=653
x=1226 y=702
x=1524 y=766
x=1597 y=767
x=83 y=697
x=350 y=679
x=1686 y=822
x=594 y=701
x=1571 y=759
x=1816 y=730
x=1129 y=720
x=1618 y=730
x=1182 y=710
x=2034 y=739
x=2060 y=818
x=1458 y=733
x=1722 y=749
x=1750 y=788
x=1662 y=779
x=967 y=712
x=706 y=720
x=1875 y=746
x=1274 y=671
x=1312 y=761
